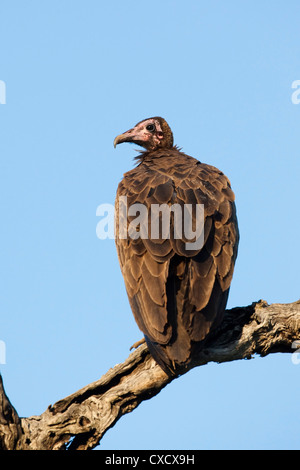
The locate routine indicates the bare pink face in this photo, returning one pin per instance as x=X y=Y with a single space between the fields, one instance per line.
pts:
x=147 y=133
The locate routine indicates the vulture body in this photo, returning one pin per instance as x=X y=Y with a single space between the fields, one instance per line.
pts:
x=177 y=295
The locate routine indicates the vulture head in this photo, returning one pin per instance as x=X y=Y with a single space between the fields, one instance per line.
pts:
x=152 y=134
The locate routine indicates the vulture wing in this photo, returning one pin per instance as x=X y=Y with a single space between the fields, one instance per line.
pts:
x=177 y=295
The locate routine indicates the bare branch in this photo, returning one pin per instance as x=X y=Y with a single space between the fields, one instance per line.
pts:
x=80 y=420
x=10 y=426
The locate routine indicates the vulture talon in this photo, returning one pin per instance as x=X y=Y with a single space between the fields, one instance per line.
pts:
x=137 y=344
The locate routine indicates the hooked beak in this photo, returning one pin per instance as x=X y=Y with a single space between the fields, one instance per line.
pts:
x=128 y=136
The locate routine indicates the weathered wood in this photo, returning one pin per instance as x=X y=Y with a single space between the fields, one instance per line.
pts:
x=80 y=420
x=10 y=425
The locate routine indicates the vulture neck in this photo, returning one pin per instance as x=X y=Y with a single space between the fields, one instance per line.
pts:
x=146 y=155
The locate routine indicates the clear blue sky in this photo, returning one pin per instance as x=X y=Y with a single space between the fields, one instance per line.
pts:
x=78 y=73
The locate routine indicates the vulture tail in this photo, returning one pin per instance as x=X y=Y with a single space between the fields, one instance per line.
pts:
x=159 y=354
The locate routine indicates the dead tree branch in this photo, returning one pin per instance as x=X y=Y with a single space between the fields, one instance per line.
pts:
x=80 y=420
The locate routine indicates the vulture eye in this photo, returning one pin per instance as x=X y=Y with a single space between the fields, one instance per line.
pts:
x=150 y=127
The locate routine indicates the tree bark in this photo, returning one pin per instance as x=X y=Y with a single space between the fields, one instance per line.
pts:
x=79 y=421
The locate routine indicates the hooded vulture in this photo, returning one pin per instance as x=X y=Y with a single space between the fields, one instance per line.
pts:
x=177 y=287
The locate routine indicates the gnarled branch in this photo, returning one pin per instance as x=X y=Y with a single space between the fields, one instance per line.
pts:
x=80 y=420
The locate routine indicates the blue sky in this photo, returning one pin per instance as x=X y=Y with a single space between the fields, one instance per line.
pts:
x=79 y=73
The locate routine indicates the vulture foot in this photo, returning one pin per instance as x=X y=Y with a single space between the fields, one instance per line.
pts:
x=137 y=344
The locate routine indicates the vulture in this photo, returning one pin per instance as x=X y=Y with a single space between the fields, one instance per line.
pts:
x=177 y=288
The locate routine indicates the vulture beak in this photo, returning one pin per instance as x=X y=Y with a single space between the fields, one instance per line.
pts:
x=128 y=136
